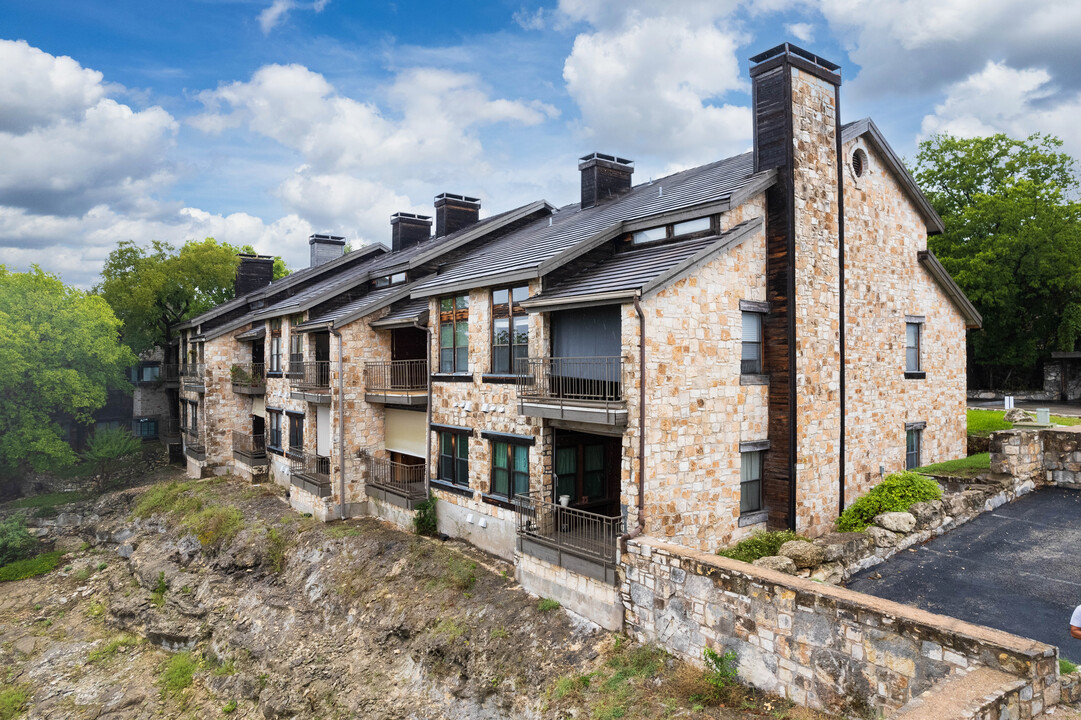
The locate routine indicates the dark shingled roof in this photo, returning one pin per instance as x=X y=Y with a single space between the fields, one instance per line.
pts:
x=362 y=306
x=523 y=253
x=640 y=268
x=254 y=334
x=404 y=312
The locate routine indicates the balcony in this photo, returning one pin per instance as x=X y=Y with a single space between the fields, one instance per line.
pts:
x=169 y=430
x=310 y=381
x=310 y=473
x=580 y=541
x=170 y=375
x=583 y=390
x=397 y=382
x=248 y=378
x=193 y=444
x=393 y=482
x=249 y=449
x=193 y=376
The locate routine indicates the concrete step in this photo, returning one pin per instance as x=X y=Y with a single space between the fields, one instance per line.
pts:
x=964 y=696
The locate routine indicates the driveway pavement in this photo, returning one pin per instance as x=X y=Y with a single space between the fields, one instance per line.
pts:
x=1016 y=569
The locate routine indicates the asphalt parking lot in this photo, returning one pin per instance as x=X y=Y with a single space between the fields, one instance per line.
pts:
x=1017 y=569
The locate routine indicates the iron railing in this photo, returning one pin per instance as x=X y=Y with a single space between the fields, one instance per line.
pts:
x=308 y=375
x=565 y=528
x=295 y=367
x=406 y=481
x=248 y=375
x=193 y=440
x=248 y=444
x=590 y=379
x=169 y=430
x=193 y=373
x=395 y=376
x=313 y=467
x=170 y=374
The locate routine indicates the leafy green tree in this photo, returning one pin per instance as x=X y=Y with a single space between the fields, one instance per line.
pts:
x=1012 y=242
x=107 y=449
x=280 y=268
x=59 y=356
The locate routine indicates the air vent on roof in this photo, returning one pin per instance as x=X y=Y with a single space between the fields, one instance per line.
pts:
x=603 y=177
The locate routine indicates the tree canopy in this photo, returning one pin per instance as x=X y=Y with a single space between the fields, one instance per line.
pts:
x=59 y=356
x=153 y=289
x=1013 y=244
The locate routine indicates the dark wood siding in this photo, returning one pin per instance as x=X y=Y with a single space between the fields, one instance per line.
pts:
x=778 y=332
x=772 y=123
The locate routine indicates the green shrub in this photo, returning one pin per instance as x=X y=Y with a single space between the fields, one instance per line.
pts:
x=721 y=670
x=230 y=707
x=896 y=493
x=15 y=542
x=13 y=701
x=176 y=675
x=1065 y=667
x=277 y=545
x=215 y=526
x=547 y=605
x=424 y=521
x=760 y=545
x=171 y=497
x=22 y=569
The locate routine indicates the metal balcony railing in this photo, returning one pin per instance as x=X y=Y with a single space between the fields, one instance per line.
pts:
x=576 y=531
x=248 y=444
x=248 y=376
x=395 y=378
x=295 y=366
x=590 y=379
x=170 y=374
x=312 y=375
x=315 y=468
x=406 y=481
x=193 y=374
x=193 y=440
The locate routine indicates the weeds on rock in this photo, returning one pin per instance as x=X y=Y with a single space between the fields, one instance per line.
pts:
x=1065 y=667
x=760 y=545
x=13 y=701
x=230 y=707
x=22 y=569
x=171 y=497
x=177 y=673
x=424 y=522
x=277 y=545
x=95 y=609
x=548 y=604
x=110 y=649
x=157 y=595
x=215 y=526
x=461 y=573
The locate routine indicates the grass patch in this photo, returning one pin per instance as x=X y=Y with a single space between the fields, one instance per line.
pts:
x=157 y=595
x=449 y=627
x=760 y=545
x=177 y=673
x=1065 y=667
x=95 y=609
x=277 y=545
x=498 y=634
x=342 y=531
x=168 y=498
x=229 y=708
x=13 y=701
x=48 y=500
x=897 y=493
x=547 y=604
x=985 y=422
x=215 y=526
x=110 y=649
x=968 y=467
x=461 y=573
x=22 y=569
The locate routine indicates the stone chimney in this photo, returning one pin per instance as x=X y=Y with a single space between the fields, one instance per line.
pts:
x=604 y=177
x=796 y=132
x=254 y=272
x=407 y=230
x=325 y=248
x=454 y=212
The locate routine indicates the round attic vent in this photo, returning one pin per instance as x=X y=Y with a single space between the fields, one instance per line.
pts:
x=859 y=162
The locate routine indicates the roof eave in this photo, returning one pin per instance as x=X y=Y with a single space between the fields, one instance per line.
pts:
x=616 y=297
x=479 y=232
x=973 y=319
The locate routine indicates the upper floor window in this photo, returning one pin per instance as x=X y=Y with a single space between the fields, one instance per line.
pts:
x=275 y=354
x=750 y=481
x=751 y=352
x=913 y=341
x=510 y=469
x=296 y=348
x=388 y=280
x=510 y=330
x=296 y=433
x=698 y=227
x=275 y=326
x=274 y=429
x=454 y=458
x=454 y=334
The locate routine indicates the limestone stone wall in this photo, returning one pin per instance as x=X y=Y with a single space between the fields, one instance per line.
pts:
x=1045 y=456
x=884 y=283
x=697 y=410
x=817 y=302
x=225 y=410
x=278 y=397
x=1061 y=454
x=818 y=645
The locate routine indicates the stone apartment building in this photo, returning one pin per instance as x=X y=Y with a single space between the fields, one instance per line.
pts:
x=748 y=344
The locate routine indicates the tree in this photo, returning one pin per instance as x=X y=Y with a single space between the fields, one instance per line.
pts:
x=59 y=355
x=107 y=449
x=1012 y=242
x=280 y=268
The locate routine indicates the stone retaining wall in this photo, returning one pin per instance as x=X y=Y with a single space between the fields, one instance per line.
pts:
x=819 y=645
x=1045 y=456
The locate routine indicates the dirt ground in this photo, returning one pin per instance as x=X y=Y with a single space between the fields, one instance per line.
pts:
x=230 y=605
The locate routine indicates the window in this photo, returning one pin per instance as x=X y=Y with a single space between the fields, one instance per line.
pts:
x=913 y=331
x=296 y=433
x=750 y=482
x=295 y=320
x=454 y=334
x=145 y=373
x=751 y=354
x=699 y=227
x=510 y=469
x=274 y=429
x=194 y=418
x=454 y=458
x=296 y=351
x=145 y=428
x=913 y=441
x=388 y=280
x=183 y=416
x=510 y=330
x=275 y=345
x=580 y=472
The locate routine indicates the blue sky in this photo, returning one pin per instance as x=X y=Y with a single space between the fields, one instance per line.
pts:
x=261 y=121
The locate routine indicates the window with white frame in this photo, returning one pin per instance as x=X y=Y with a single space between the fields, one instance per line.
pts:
x=750 y=481
x=751 y=352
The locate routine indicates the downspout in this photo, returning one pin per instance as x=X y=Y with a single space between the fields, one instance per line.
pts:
x=641 y=429
x=428 y=420
x=341 y=419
